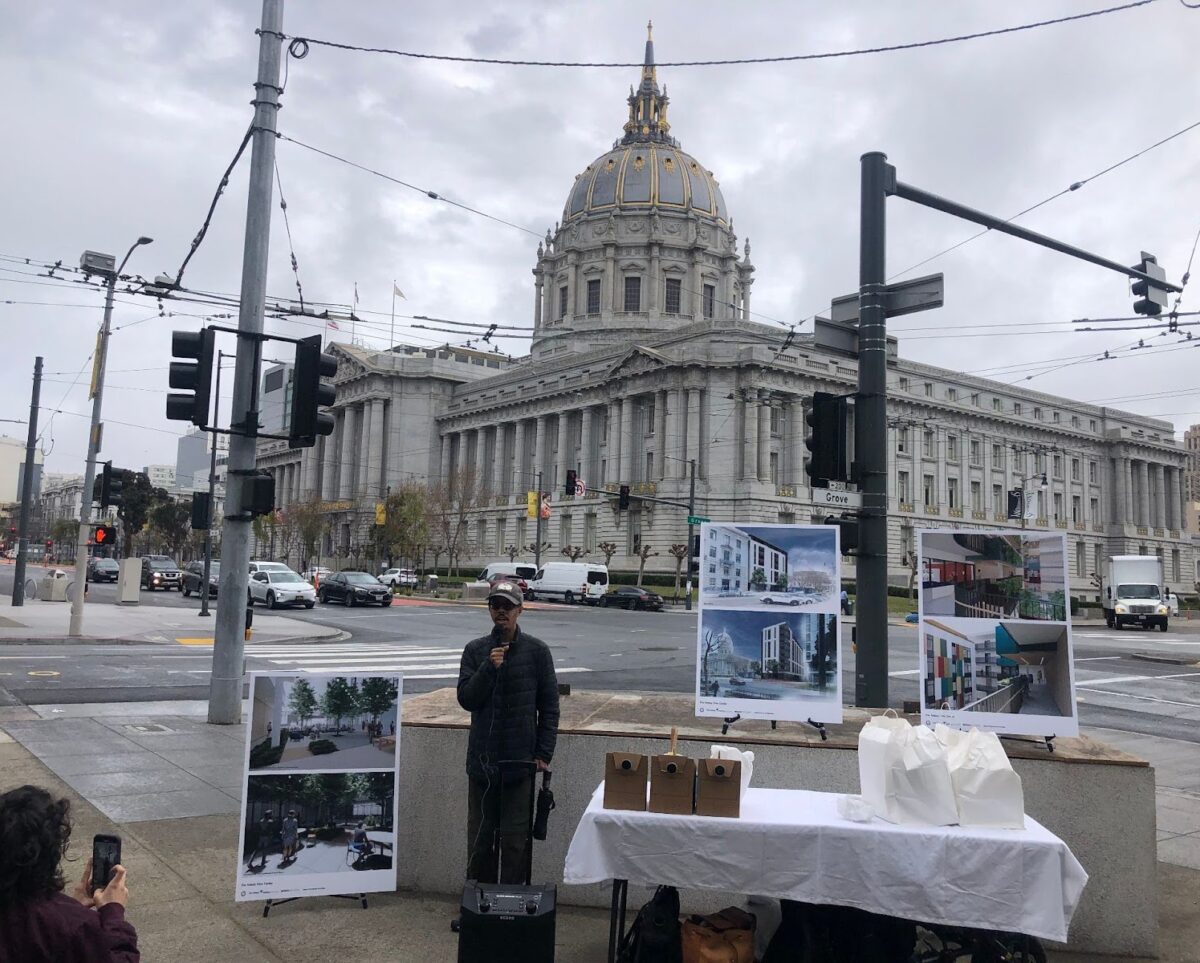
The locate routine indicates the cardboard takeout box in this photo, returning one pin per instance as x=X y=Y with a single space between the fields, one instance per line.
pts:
x=719 y=788
x=672 y=784
x=626 y=776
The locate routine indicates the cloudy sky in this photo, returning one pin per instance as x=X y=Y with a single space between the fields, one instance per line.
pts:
x=120 y=118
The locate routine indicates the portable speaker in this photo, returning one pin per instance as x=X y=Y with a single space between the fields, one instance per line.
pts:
x=507 y=924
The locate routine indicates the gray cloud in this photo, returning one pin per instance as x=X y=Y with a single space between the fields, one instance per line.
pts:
x=121 y=117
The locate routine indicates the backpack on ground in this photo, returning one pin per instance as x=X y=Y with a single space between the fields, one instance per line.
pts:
x=654 y=936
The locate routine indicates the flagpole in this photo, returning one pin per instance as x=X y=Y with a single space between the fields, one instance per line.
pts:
x=354 y=312
x=392 y=335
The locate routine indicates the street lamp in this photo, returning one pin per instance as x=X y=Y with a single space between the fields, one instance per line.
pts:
x=97 y=264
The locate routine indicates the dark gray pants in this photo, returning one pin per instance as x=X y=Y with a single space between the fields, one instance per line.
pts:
x=497 y=830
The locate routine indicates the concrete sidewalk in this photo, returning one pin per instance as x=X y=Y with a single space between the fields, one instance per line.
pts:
x=170 y=785
x=38 y=621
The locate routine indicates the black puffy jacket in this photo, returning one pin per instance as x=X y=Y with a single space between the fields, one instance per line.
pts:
x=514 y=709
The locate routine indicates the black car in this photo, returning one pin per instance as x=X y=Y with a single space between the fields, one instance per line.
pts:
x=160 y=572
x=102 y=570
x=632 y=597
x=193 y=577
x=353 y=588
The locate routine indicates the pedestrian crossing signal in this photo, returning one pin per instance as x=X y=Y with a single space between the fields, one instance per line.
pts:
x=104 y=535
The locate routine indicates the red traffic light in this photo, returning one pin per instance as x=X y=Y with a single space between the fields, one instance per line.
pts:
x=104 y=535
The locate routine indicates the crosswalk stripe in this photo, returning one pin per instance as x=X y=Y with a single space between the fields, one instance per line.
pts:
x=354 y=650
x=355 y=664
x=402 y=670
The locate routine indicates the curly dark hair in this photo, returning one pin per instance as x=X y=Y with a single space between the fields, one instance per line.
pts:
x=34 y=831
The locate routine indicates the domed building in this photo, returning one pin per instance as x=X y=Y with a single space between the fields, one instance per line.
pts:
x=648 y=373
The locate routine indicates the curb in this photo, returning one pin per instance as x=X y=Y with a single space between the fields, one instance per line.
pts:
x=1188 y=660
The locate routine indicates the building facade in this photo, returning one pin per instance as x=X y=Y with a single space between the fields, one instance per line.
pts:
x=647 y=365
x=1191 y=445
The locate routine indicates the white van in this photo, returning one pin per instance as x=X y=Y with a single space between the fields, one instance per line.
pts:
x=518 y=569
x=570 y=581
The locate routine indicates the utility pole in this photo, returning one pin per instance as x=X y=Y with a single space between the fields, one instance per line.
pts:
x=212 y=472
x=687 y=599
x=94 y=442
x=537 y=526
x=18 y=595
x=870 y=437
x=225 y=690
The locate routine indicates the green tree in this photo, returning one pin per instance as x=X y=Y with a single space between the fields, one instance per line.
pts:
x=407 y=525
x=138 y=496
x=377 y=695
x=759 y=578
x=340 y=699
x=171 y=522
x=308 y=521
x=303 y=701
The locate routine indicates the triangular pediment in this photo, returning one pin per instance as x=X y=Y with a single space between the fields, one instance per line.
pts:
x=639 y=359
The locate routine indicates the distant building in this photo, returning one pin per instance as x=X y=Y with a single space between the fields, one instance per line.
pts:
x=193 y=454
x=161 y=476
x=12 y=463
x=275 y=401
x=1191 y=445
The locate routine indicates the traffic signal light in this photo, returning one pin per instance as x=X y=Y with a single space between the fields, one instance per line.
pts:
x=104 y=535
x=109 y=488
x=623 y=498
x=258 y=494
x=201 y=511
x=826 y=439
x=1153 y=298
x=570 y=486
x=194 y=376
x=309 y=393
x=848 y=540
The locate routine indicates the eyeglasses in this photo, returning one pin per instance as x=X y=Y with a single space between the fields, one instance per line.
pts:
x=500 y=604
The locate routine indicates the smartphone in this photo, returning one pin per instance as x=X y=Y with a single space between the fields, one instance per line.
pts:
x=106 y=853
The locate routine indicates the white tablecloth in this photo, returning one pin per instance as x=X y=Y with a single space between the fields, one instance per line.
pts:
x=792 y=844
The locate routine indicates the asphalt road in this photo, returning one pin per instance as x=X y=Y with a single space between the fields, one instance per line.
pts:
x=603 y=649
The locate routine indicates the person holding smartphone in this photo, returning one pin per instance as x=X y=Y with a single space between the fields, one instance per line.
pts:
x=506 y=681
x=39 y=923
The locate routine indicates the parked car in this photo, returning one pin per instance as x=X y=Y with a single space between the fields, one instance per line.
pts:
x=632 y=597
x=781 y=598
x=354 y=588
x=102 y=570
x=912 y=618
x=515 y=579
x=274 y=589
x=160 y=572
x=517 y=569
x=398 y=576
x=313 y=572
x=193 y=577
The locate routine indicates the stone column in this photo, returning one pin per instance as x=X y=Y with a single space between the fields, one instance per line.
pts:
x=586 y=461
x=749 y=439
x=630 y=441
x=331 y=447
x=655 y=299
x=447 y=446
x=676 y=438
x=1128 y=513
x=379 y=472
x=563 y=461
x=693 y=430
x=306 y=460
x=795 y=441
x=1160 y=496
x=482 y=477
x=539 y=452
x=499 y=463
x=612 y=442
x=608 y=284
x=366 y=459
x=764 y=438
x=537 y=298
x=1121 y=494
x=348 y=460
x=1143 y=493
x=1181 y=499
x=518 y=482
x=572 y=285
x=661 y=442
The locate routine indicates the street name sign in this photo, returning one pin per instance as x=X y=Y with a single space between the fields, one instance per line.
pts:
x=836 y=499
x=697 y=519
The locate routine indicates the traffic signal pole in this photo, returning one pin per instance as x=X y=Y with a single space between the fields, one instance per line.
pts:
x=18 y=593
x=225 y=690
x=212 y=471
x=870 y=438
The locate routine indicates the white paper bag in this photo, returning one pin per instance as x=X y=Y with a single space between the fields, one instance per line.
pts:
x=745 y=757
x=903 y=773
x=986 y=788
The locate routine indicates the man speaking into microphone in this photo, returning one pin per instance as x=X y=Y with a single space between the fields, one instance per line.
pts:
x=507 y=682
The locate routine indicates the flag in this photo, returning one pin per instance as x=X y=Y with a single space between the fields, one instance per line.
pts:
x=396 y=291
x=356 y=294
x=334 y=325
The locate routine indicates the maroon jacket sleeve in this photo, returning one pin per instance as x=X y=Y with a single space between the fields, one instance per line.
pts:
x=107 y=938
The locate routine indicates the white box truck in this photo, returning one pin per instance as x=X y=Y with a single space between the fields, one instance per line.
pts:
x=1134 y=593
x=570 y=581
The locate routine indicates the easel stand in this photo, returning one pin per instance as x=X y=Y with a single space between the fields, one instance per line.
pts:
x=820 y=727
x=361 y=897
x=730 y=720
x=1047 y=741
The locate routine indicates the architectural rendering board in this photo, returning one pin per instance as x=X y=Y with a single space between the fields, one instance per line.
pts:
x=321 y=783
x=768 y=638
x=995 y=638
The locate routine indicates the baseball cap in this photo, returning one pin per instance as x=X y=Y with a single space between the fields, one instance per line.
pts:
x=506 y=590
